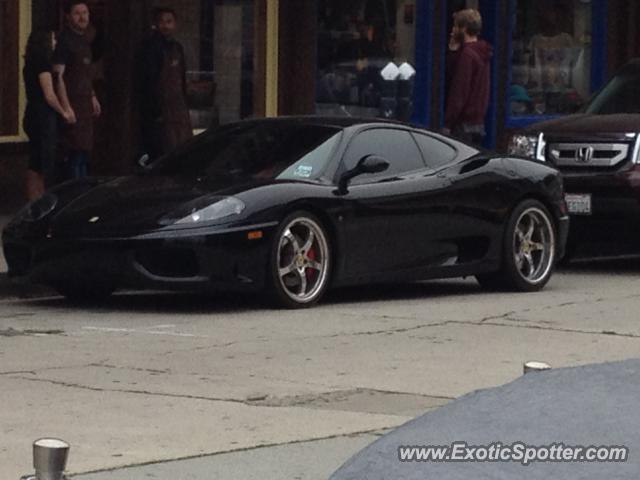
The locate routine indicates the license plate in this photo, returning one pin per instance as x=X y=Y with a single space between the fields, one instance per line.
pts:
x=578 y=204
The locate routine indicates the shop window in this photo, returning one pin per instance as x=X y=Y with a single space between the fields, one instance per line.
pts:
x=551 y=57
x=366 y=58
x=219 y=42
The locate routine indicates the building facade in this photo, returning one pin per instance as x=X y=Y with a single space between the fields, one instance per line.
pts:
x=380 y=58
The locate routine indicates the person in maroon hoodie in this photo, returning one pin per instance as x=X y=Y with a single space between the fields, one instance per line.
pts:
x=468 y=78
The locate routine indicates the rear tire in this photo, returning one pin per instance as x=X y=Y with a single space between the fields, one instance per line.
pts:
x=300 y=261
x=528 y=250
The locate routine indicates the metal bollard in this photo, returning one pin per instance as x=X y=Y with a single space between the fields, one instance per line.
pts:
x=49 y=459
x=535 y=367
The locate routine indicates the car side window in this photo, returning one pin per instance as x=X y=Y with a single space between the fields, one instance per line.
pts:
x=395 y=146
x=436 y=152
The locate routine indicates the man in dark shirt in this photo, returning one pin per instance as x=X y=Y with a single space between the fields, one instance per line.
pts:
x=162 y=88
x=40 y=118
x=468 y=78
x=72 y=62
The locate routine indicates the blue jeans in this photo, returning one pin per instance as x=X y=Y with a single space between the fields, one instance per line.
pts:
x=77 y=164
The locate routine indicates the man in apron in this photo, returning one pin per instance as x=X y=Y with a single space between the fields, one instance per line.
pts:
x=72 y=63
x=162 y=88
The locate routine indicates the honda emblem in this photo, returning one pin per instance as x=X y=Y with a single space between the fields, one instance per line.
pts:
x=584 y=154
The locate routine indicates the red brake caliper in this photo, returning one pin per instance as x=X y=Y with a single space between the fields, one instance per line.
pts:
x=311 y=273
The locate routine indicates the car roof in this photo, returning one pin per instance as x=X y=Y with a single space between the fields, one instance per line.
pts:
x=342 y=123
x=329 y=121
x=632 y=65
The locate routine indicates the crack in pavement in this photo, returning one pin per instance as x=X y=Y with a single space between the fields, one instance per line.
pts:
x=555 y=329
x=393 y=392
x=126 y=367
x=46 y=369
x=132 y=391
x=375 y=432
x=103 y=364
x=509 y=316
x=389 y=331
x=506 y=316
x=247 y=401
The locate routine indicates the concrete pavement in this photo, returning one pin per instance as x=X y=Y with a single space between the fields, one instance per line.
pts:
x=152 y=379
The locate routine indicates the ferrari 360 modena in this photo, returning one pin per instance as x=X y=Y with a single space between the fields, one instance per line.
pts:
x=294 y=206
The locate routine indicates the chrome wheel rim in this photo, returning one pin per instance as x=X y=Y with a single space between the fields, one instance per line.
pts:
x=534 y=245
x=303 y=260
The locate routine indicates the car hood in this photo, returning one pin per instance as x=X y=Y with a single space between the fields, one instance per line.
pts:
x=589 y=124
x=137 y=204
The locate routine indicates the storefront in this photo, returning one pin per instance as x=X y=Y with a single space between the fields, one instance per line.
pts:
x=231 y=55
x=371 y=58
x=386 y=58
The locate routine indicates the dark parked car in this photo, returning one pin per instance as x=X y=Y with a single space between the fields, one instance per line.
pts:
x=295 y=205
x=598 y=153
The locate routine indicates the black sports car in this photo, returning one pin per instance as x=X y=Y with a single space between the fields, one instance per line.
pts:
x=296 y=205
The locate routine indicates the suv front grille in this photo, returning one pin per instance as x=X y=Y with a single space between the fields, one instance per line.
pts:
x=588 y=155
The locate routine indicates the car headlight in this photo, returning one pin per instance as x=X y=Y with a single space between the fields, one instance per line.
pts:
x=194 y=213
x=524 y=145
x=38 y=209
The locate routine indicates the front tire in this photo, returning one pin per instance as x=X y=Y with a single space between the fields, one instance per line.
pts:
x=528 y=251
x=300 y=261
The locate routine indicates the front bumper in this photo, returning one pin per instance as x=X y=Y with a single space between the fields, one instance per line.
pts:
x=563 y=235
x=192 y=260
x=615 y=206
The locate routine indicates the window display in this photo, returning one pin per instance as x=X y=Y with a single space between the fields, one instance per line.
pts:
x=218 y=40
x=551 y=61
x=366 y=58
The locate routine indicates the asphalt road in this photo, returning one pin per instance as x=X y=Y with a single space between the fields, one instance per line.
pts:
x=183 y=387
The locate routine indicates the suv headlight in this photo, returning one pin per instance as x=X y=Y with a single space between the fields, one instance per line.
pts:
x=524 y=145
x=194 y=213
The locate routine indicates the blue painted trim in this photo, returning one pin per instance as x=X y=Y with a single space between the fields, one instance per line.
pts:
x=444 y=44
x=490 y=18
x=599 y=68
x=525 y=121
x=423 y=62
x=514 y=122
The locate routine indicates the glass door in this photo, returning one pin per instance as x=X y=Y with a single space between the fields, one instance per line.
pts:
x=221 y=45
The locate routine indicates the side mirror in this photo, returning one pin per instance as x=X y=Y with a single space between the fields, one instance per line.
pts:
x=144 y=161
x=372 y=164
x=367 y=164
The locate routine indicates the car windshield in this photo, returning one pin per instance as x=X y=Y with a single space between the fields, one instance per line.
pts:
x=268 y=150
x=621 y=95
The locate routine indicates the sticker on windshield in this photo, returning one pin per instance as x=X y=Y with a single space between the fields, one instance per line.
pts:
x=303 y=171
